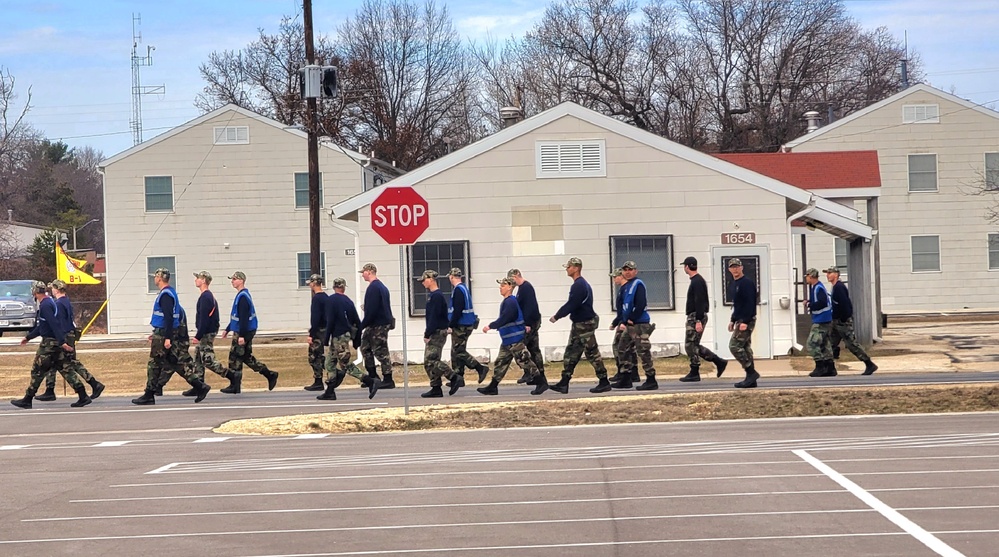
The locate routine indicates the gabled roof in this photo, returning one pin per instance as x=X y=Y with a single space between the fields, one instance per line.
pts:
x=814 y=171
x=216 y=113
x=918 y=88
x=353 y=204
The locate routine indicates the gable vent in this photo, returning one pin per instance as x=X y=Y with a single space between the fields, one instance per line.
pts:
x=232 y=135
x=568 y=159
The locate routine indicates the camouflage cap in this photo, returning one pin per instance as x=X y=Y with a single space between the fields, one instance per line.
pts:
x=162 y=272
x=629 y=265
x=735 y=262
x=573 y=262
x=203 y=275
x=513 y=273
x=369 y=267
x=38 y=286
x=339 y=282
x=831 y=270
x=429 y=274
x=238 y=275
x=455 y=272
x=58 y=284
x=617 y=272
x=506 y=280
x=316 y=278
x=812 y=272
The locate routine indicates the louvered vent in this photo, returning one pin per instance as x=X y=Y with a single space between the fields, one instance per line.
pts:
x=569 y=159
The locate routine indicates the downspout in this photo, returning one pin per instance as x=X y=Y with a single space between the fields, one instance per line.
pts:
x=790 y=268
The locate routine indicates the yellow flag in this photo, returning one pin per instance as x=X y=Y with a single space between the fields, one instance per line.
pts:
x=68 y=269
x=80 y=263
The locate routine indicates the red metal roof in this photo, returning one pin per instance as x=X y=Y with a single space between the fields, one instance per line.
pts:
x=814 y=171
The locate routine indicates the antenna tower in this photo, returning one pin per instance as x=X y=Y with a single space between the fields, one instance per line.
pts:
x=137 y=88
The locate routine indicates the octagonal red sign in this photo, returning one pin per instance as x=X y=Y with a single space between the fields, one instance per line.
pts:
x=400 y=215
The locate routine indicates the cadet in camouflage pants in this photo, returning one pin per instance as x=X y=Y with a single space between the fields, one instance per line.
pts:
x=460 y=358
x=317 y=357
x=436 y=369
x=204 y=357
x=164 y=362
x=51 y=357
x=819 y=347
x=842 y=330
x=741 y=344
x=582 y=340
x=623 y=366
x=634 y=345
x=517 y=351
x=74 y=365
x=692 y=341
x=339 y=365
x=374 y=346
x=243 y=354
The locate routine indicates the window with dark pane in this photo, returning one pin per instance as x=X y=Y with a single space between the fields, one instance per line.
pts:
x=440 y=257
x=654 y=257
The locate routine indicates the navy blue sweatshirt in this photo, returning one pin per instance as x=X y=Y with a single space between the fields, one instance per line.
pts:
x=528 y=301
x=66 y=313
x=697 y=297
x=743 y=300
x=458 y=304
x=842 y=306
x=580 y=304
x=619 y=304
x=437 y=313
x=341 y=316
x=206 y=316
x=508 y=313
x=48 y=322
x=318 y=321
x=377 y=306
x=166 y=304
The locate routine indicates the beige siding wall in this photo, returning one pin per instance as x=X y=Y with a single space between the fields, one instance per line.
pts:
x=240 y=195
x=960 y=141
x=645 y=192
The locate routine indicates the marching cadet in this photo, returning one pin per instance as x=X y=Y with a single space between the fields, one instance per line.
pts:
x=51 y=353
x=627 y=372
x=582 y=337
x=375 y=327
x=743 y=321
x=206 y=328
x=528 y=301
x=637 y=326
x=842 y=323
x=317 y=331
x=58 y=288
x=243 y=326
x=697 y=319
x=461 y=322
x=435 y=336
x=819 y=305
x=512 y=330
x=343 y=328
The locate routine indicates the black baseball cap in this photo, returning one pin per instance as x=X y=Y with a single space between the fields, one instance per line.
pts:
x=690 y=261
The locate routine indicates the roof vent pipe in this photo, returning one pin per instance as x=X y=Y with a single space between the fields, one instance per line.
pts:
x=812 y=116
x=510 y=115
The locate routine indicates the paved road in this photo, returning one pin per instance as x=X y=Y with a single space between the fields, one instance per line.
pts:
x=114 y=479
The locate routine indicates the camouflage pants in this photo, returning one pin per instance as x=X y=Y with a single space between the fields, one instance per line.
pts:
x=180 y=352
x=204 y=357
x=73 y=363
x=163 y=362
x=339 y=360
x=317 y=357
x=239 y=355
x=623 y=367
x=460 y=358
x=634 y=345
x=741 y=344
x=516 y=351
x=819 y=347
x=843 y=330
x=692 y=341
x=533 y=344
x=374 y=345
x=582 y=340
x=50 y=356
x=432 y=357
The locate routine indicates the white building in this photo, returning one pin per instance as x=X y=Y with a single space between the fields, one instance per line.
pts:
x=570 y=182
x=227 y=191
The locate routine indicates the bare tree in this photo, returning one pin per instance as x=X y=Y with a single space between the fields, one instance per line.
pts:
x=15 y=136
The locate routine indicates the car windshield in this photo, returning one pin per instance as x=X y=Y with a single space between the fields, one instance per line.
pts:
x=16 y=290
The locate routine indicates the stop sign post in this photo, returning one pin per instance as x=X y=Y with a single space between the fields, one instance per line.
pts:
x=400 y=216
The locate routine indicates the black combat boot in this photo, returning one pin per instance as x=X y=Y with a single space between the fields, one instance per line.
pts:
x=624 y=382
x=330 y=392
x=48 y=395
x=96 y=386
x=830 y=369
x=750 y=381
x=869 y=367
x=434 y=392
x=159 y=390
x=338 y=378
x=372 y=383
x=483 y=371
x=201 y=389
x=540 y=383
x=387 y=382
x=835 y=352
x=317 y=385
x=562 y=386
x=272 y=377
x=23 y=402
x=235 y=382
x=524 y=378
x=603 y=385
x=635 y=377
x=84 y=400
x=820 y=369
x=693 y=375
x=190 y=392
x=720 y=364
x=490 y=389
x=457 y=382
x=147 y=398
x=650 y=384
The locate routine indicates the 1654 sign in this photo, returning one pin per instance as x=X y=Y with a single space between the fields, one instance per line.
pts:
x=739 y=238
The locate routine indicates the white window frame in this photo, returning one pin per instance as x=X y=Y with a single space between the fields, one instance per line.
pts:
x=563 y=155
x=150 y=284
x=912 y=254
x=993 y=183
x=229 y=135
x=145 y=195
x=666 y=273
x=294 y=179
x=988 y=247
x=844 y=269
x=936 y=172
x=930 y=114
x=302 y=279
x=417 y=292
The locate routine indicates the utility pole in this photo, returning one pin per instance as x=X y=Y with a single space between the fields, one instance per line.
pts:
x=137 y=88
x=311 y=125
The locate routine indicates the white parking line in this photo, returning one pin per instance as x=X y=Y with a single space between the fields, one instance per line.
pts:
x=13 y=447
x=111 y=443
x=311 y=436
x=913 y=529
x=211 y=439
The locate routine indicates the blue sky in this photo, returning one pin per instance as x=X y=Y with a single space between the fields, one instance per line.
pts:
x=75 y=55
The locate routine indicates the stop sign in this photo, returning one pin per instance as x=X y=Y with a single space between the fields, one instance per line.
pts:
x=400 y=215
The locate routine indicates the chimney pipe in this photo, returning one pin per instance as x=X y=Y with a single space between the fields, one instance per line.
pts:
x=510 y=115
x=812 y=116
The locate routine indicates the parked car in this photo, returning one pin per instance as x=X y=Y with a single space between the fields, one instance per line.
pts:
x=17 y=306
